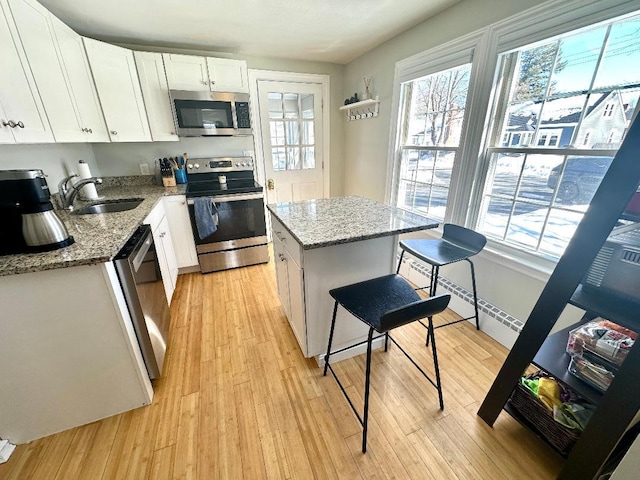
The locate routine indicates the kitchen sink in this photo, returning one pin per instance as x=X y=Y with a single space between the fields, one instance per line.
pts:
x=111 y=206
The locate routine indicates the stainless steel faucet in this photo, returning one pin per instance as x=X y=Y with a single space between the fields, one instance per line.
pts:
x=68 y=193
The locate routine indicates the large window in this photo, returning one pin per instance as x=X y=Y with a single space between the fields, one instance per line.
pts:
x=540 y=131
x=430 y=138
x=562 y=110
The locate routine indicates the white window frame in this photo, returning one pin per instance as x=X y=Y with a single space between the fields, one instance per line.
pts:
x=547 y=20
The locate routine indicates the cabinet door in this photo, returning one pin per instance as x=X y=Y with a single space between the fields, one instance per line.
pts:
x=116 y=78
x=186 y=72
x=19 y=97
x=227 y=75
x=282 y=279
x=181 y=233
x=155 y=92
x=78 y=74
x=38 y=41
x=296 y=302
x=166 y=257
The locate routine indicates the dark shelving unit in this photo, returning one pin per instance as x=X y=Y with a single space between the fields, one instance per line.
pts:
x=617 y=407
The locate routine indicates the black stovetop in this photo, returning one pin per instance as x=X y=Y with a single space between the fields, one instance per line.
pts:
x=213 y=187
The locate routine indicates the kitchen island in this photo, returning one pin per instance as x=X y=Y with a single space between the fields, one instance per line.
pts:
x=326 y=243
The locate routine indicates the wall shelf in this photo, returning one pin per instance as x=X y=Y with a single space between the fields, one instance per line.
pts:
x=362 y=109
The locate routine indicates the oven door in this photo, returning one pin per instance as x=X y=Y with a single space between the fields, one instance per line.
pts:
x=240 y=221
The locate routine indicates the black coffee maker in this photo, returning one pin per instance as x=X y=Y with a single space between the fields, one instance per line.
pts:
x=27 y=214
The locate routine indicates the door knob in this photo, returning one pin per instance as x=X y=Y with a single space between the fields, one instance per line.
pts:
x=270 y=184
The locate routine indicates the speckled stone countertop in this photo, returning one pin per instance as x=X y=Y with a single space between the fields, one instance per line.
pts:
x=332 y=221
x=99 y=237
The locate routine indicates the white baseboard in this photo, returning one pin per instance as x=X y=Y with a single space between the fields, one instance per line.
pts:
x=6 y=449
x=351 y=352
x=498 y=324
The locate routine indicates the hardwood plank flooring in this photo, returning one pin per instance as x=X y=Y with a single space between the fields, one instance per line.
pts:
x=238 y=400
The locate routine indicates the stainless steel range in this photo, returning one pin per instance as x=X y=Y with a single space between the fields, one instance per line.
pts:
x=236 y=213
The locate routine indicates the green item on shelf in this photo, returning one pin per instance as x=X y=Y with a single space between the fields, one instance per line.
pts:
x=532 y=384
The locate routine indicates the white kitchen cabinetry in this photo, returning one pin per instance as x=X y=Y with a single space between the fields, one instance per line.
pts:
x=290 y=280
x=227 y=75
x=61 y=71
x=181 y=233
x=116 y=78
x=78 y=74
x=165 y=251
x=155 y=92
x=188 y=72
x=22 y=114
x=69 y=358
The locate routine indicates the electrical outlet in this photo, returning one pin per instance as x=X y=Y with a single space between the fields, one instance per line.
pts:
x=144 y=168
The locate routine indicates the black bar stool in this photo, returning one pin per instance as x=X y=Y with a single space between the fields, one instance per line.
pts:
x=456 y=244
x=384 y=303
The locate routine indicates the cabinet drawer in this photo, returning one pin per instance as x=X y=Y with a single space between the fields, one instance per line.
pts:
x=288 y=242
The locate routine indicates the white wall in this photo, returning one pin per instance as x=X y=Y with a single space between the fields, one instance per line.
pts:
x=366 y=142
x=51 y=158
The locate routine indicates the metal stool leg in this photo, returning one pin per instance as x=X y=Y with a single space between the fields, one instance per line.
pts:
x=435 y=362
x=435 y=271
x=333 y=324
x=400 y=262
x=365 y=421
x=475 y=293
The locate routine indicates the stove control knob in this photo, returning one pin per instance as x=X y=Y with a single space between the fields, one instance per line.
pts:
x=189 y=166
x=196 y=165
x=244 y=164
x=237 y=164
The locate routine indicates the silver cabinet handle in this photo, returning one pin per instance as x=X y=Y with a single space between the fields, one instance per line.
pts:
x=87 y=130
x=282 y=238
x=282 y=257
x=204 y=82
x=20 y=124
x=113 y=132
x=10 y=123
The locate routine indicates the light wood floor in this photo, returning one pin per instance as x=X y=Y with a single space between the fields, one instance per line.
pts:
x=238 y=400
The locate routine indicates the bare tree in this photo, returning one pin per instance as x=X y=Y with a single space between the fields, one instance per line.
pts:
x=440 y=99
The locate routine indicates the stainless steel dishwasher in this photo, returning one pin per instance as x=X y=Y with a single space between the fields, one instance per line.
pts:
x=141 y=281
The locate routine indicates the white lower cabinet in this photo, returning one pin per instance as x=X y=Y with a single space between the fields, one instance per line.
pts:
x=164 y=248
x=181 y=232
x=290 y=280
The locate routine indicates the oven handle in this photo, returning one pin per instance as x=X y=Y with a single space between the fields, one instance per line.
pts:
x=231 y=198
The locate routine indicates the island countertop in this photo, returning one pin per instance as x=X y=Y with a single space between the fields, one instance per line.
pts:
x=333 y=221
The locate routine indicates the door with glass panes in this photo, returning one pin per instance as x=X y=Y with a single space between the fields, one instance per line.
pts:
x=291 y=123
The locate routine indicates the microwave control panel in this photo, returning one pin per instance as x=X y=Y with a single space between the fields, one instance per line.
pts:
x=242 y=114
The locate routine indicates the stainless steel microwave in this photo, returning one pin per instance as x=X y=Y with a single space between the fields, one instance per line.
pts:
x=198 y=114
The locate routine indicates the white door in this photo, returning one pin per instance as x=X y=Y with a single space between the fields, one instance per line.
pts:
x=292 y=138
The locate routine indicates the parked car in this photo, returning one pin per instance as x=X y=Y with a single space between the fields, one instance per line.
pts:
x=581 y=178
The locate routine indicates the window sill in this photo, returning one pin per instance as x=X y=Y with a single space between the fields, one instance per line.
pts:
x=533 y=266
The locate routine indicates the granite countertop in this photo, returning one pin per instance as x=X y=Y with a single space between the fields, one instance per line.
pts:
x=332 y=221
x=99 y=237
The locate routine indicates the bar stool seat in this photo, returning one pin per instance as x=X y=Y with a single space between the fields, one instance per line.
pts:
x=384 y=303
x=456 y=244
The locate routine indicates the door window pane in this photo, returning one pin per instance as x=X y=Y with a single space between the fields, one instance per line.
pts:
x=291 y=107
x=308 y=158
x=275 y=105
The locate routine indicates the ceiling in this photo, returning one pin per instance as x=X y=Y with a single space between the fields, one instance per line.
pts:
x=336 y=31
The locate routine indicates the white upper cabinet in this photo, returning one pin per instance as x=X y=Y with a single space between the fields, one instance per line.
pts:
x=188 y=72
x=116 y=78
x=227 y=75
x=80 y=82
x=155 y=92
x=22 y=115
x=58 y=62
